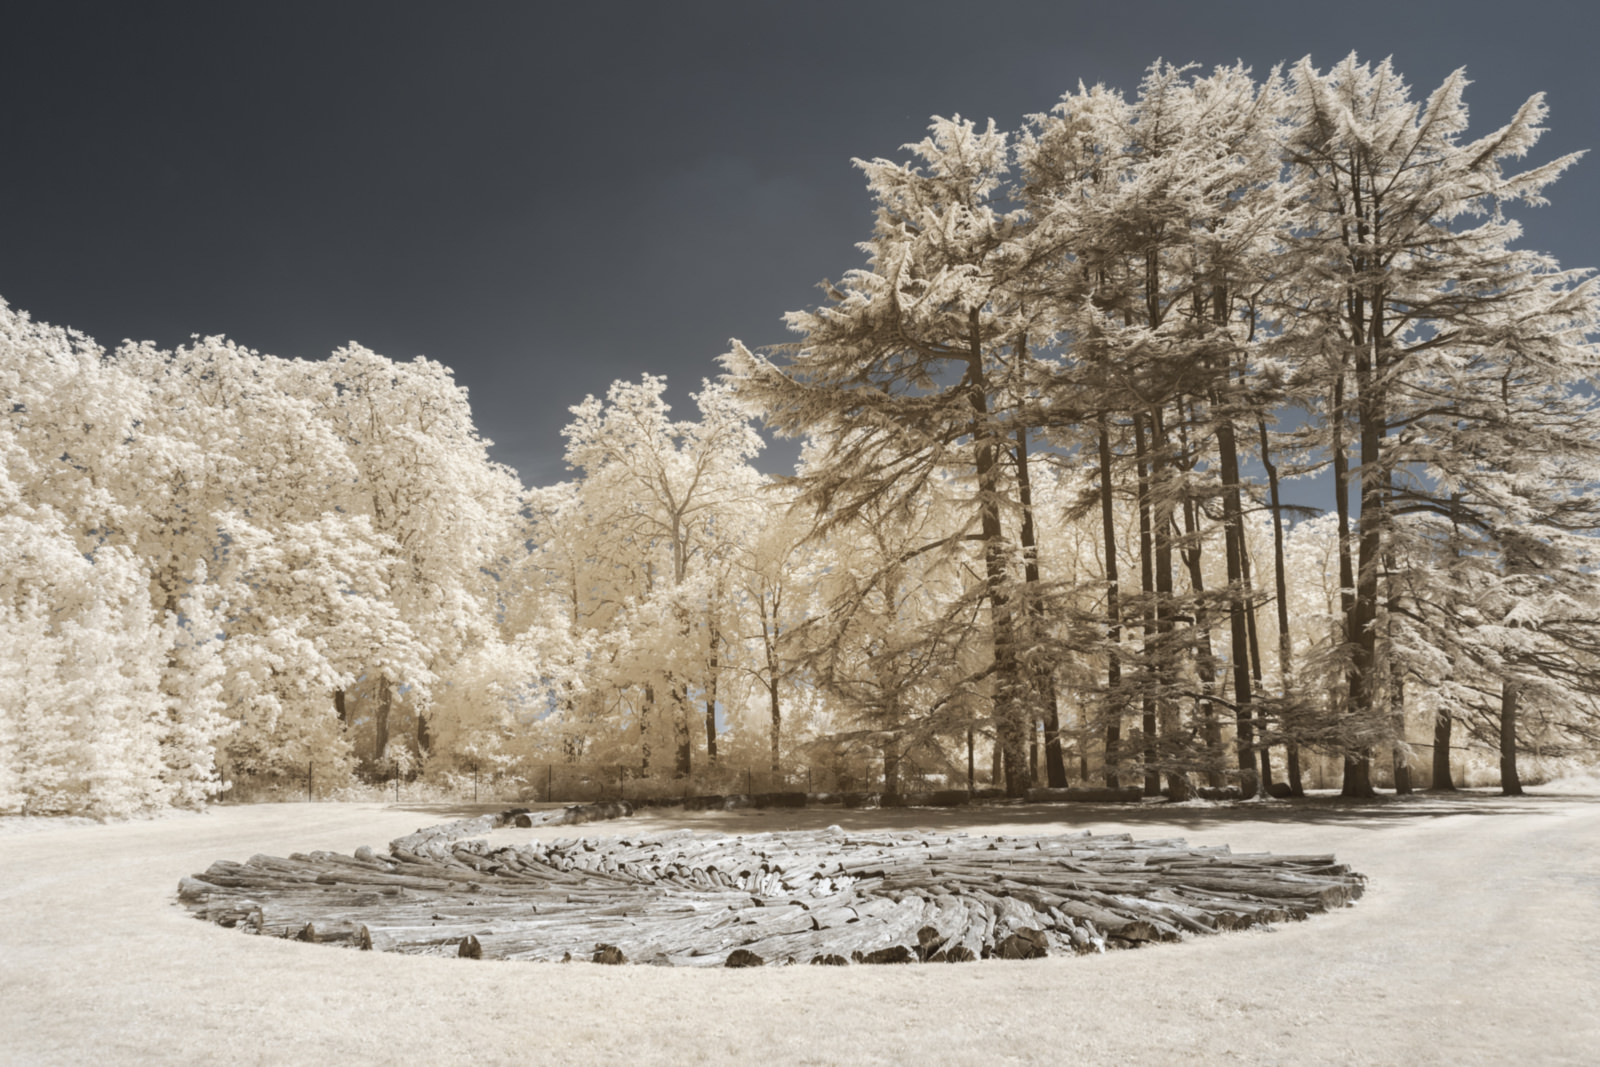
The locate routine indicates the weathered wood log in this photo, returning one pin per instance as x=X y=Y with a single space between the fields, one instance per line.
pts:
x=807 y=896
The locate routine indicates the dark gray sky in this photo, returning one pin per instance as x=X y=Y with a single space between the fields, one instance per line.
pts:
x=548 y=197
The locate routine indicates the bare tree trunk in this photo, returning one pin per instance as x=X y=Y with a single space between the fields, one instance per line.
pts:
x=1510 y=694
x=380 y=741
x=1281 y=591
x=1147 y=704
x=1162 y=522
x=1402 y=766
x=1402 y=771
x=711 y=694
x=1007 y=691
x=769 y=644
x=680 y=732
x=1043 y=680
x=1365 y=687
x=1441 y=780
x=1206 y=660
x=1233 y=543
x=1442 y=728
x=1357 y=768
x=1264 y=786
x=1357 y=777
x=972 y=768
x=645 y=712
x=1113 y=713
x=777 y=723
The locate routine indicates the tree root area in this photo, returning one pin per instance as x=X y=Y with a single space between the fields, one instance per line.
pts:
x=826 y=897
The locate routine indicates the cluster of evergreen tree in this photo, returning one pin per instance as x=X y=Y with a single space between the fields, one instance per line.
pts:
x=1093 y=347
x=1156 y=289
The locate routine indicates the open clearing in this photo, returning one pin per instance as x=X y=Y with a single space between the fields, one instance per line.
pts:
x=1478 y=942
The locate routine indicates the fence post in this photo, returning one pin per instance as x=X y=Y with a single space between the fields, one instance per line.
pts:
x=308 y=780
x=474 y=781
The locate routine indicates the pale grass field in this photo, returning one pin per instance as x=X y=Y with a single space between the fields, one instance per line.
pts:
x=1478 y=942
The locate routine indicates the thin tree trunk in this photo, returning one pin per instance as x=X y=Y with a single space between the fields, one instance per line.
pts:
x=1233 y=543
x=1442 y=728
x=1281 y=590
x=1397 y=681
x=1264 y=787
x=380 y=740
x=1510 y=694
x=645 y=712
x=769 y=642
x=711 y=695
x=1113 y=709
x=1084 y=737
x=1233 y=547
x=1402 y=765
x=680 y=732
x=1440 y=779
x=1147 y=704
x=1007 y=705
x=1357 y=768
x=1365 y=688
x=1206 y=660
x=972 y=766
x=777 y=723
x=1402 y=771
x=1162 y=521
x=1044 y=683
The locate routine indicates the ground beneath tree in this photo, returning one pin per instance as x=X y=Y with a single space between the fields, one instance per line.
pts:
x=1478 y=941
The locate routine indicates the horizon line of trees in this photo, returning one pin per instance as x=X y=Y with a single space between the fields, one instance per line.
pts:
x=1038 y=522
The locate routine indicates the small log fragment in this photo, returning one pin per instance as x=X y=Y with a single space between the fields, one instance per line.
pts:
x=1026 y=944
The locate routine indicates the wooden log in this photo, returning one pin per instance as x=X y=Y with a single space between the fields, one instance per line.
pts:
x=694 y=899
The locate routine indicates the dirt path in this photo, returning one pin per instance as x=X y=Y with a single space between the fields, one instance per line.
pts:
x=1478 y=942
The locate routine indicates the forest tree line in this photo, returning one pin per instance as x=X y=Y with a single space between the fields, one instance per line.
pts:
x=1037 y=533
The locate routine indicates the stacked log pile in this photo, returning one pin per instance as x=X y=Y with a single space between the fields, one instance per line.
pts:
x=826 y=897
